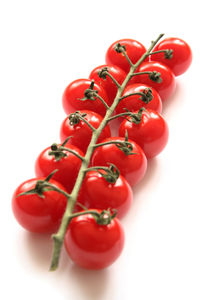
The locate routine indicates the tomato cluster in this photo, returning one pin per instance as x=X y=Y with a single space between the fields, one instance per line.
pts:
x=94 y=237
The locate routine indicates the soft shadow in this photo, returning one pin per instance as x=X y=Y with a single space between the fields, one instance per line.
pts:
x=39 y=247
x=175 y=100
x=92 y=283
x=149 y=177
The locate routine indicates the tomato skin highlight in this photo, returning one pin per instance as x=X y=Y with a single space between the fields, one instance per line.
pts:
x=181 y=57
x=151 y=133
x=107 y=84
x=97 y=192
x=131 y=167
x=36 y=214
x=93 y=246
x=165 y=88
x=68 y=166
x=81 y=133
x=133 y=103
x=134 y=50
x=74 y=92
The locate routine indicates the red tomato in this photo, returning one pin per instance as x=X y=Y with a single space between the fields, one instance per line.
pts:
x=151 y=133
x=80 y=132
x=136 y=102
x=97 y=192
x=93 y=246
x=181 y=56
x=68 y=166
x=132 y=167
x=107 y=84
x=74 y=92
x=134 y=50
x=166 y=87
x=37 y=214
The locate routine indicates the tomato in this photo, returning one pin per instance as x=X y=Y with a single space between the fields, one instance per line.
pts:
x=97 y=192
x=107 y=84
x=36 y=213
x=151 y=133
x=131 y=166
x=134 y=50
x=66 y=163
x=166 y=87
x=136 y=102
x=80 y=132
x=75 y=91
x=93 y=246
x=181 y=56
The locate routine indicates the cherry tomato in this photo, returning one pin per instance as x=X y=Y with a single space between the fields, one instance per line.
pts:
x=66 y=163
x=181 y=56
x=166 y=87
x=75 y=91
x=136 y=102
x=132 y=166
x=37 y=214
x=93 y=246
x=80 y=132
x=134 y=50
x=97 y=192
x=151 y=133
x=107 y=84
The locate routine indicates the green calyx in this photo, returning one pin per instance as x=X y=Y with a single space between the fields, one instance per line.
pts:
x=75 y=118
x=110 y=174
x=126 y=146
x=155 y=76
x=90 y=93
x=168 y=53
x=136 y=117
x=58 y=150
x=105 y=217
x=103 y=73
x=41 y=186
x=119 y=48
x=146 y=95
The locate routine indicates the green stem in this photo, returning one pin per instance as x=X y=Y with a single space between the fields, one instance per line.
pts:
x=159 y=51
x=72 y=151
x=168 y=53
x=141 y=73
x=58 y=238
x=128 y=59
x=132 y=94
x=113 y=79
x=111 y=142
x=92 y=212
x=86 y=122
x=102 y=100
x=128 y=113
x=96 y=168
x=54 y=188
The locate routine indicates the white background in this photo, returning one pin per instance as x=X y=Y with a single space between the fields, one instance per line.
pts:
x=44 y=46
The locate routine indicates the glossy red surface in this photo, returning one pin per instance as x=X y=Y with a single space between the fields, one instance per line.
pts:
x=151 y=133
x=81 y=133
x=74 y=92
x=93 y=246
x=182 y=55
x=132 y=167
x=134 y=102
x=134 y=50
x=37 y=214
x=67 y=166
x=97 y=192
x=107 y=84
x=164 y=88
